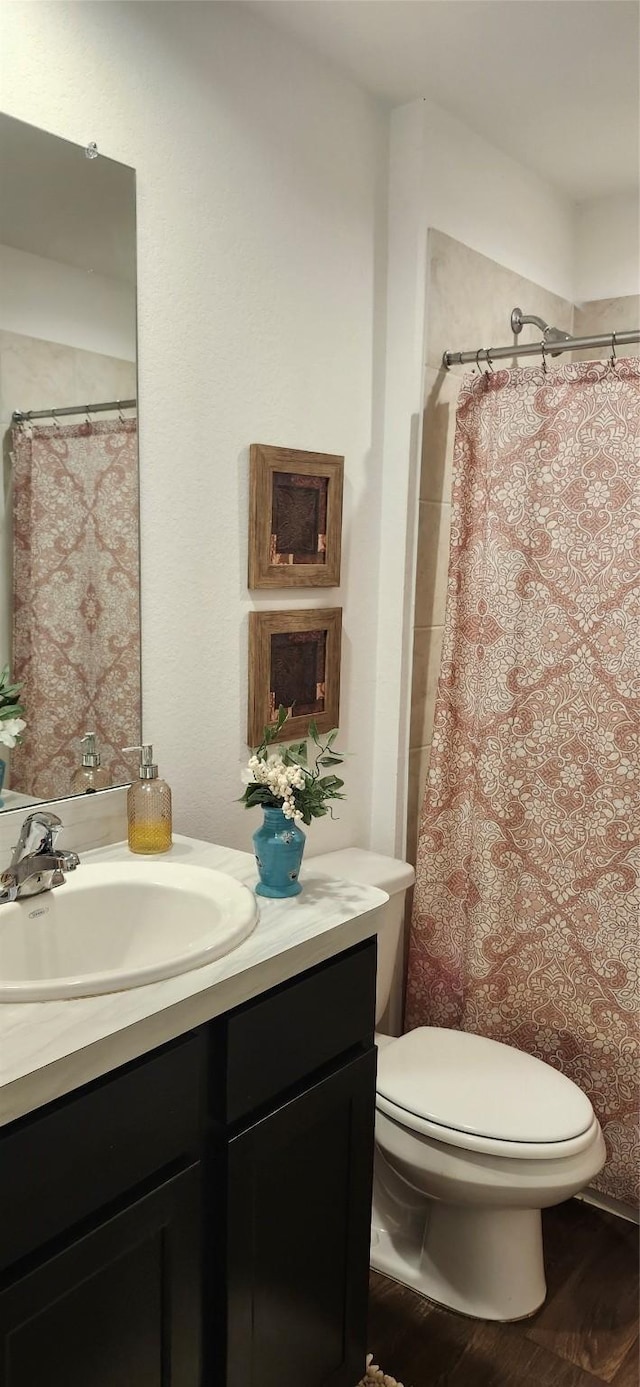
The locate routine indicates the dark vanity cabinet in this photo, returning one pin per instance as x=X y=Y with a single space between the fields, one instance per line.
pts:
x=200 y=1218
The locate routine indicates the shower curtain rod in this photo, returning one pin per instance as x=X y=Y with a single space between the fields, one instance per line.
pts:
x=549 y=348
x=23 y=416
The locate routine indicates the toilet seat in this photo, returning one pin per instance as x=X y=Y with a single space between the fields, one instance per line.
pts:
x=490 y=1146
x=475 y=1093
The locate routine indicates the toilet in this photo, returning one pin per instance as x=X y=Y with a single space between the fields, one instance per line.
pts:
x=473 y=1139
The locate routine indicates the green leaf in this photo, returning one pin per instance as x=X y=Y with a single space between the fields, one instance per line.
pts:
x=292 y=758
x=313 y=732
x=256 y=795
x=298 y=750
x=329 y=760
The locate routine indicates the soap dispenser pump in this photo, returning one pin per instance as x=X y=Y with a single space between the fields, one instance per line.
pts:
x=90 y=775
x=148 y=806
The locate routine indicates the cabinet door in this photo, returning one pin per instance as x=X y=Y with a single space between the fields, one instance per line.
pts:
x=299 y=1212
x=119 y=1307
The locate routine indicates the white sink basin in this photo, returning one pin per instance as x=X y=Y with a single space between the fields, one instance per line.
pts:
x=117 y=925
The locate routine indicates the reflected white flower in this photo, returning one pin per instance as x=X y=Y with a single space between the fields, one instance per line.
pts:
x=10 y=730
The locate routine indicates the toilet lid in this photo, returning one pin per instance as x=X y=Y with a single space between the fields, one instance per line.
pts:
x=472 y=1084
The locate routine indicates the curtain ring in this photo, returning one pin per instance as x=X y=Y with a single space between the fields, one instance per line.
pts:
x=121 y=418
x=54 y=416
x=613 y=358
x=489 y=361
x=543 y=347
x=87 y=416
x=478 y=366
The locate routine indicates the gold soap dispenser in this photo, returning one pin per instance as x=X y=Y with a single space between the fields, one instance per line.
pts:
x=90 y=775
x=148 y=806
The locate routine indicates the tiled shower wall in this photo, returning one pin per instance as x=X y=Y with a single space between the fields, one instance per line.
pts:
x=469 y=303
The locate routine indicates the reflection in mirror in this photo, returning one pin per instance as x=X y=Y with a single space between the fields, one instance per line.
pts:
x=69 y=543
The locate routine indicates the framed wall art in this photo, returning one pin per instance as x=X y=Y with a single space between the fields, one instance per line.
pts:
x=294 y=660
x=295 y=520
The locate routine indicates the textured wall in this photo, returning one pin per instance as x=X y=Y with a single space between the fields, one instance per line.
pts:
x=260 y=180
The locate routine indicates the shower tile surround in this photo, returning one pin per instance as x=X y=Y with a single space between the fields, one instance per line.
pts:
x=469 y=303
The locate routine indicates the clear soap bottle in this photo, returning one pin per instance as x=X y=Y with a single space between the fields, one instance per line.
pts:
x=148 y=806
x=90 y=775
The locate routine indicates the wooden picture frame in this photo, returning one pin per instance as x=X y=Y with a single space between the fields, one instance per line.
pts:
x=294 y=659
x=297 y=495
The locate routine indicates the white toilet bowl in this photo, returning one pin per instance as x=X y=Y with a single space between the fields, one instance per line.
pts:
x=473 y=1139
x=456 y=1212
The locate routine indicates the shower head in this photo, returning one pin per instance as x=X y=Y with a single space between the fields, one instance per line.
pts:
x=550 y=334
x=555 y=334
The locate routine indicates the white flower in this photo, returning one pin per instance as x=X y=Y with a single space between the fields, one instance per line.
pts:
x=281 y=780
x=10 y=730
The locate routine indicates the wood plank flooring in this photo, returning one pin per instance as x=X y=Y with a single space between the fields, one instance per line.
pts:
x=586 y=1333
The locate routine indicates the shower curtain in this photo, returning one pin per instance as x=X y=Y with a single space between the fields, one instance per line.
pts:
x=76 y=620
x=526 y=912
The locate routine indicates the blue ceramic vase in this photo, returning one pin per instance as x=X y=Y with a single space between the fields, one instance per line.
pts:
x=278 y=845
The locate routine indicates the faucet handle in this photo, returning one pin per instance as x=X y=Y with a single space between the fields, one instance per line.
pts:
x=37 y=835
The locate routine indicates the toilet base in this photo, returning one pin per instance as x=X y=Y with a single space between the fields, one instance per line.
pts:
x=482 y=1262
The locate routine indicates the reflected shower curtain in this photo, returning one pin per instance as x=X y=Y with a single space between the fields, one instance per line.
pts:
x=76 y=641
x=526 y=912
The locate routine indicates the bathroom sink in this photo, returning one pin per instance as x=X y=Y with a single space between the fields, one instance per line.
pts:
x=119 y=925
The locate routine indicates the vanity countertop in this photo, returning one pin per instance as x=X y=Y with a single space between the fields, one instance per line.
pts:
x=48 y=1049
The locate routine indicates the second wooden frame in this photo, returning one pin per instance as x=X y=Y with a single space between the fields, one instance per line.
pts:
x=294 y=660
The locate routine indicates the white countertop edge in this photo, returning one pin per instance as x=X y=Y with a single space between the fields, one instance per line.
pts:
x=48 y=1049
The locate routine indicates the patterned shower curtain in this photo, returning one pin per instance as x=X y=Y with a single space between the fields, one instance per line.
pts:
x=526 y=913
x=76 y=618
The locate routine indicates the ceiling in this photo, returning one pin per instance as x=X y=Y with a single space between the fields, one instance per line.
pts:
x=554 y=83
x=57 y=203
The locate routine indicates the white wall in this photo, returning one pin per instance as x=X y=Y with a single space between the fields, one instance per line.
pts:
x=487 y=200
x=607 y=248
x=442 y=175
x=59 y=303
x=406 y=280
x=261 y=179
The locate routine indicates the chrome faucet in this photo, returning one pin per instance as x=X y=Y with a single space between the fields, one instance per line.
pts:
x=37 y=864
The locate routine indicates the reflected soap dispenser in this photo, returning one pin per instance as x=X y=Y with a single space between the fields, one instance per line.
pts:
x=148 y=806
x=90 y=775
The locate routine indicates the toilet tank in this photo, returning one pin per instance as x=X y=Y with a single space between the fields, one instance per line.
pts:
x=390 y=875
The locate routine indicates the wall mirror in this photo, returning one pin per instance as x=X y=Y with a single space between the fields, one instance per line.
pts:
x=69 y=525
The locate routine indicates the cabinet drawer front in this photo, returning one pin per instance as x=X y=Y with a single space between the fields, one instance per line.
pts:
x=82 y=1152
x=274 y=1042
